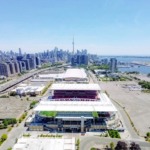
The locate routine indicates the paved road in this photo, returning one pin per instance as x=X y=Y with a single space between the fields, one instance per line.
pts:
x=126 y=122
x=14 y=134
x=88 y=142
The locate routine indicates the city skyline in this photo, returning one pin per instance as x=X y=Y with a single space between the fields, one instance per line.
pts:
x=101 y=27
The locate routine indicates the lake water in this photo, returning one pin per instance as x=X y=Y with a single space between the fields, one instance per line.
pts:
x=141 y=69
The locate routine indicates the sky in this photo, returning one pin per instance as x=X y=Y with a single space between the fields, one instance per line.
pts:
x=104 y=27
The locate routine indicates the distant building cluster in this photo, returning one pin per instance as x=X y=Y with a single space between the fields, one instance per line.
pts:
x=12 y=63
x=112 y=63
x=79 y=58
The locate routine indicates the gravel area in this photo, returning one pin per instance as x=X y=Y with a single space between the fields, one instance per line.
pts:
x=136 y=103
x=12 y=107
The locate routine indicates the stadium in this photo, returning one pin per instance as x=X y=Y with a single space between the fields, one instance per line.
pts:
x=74 y=108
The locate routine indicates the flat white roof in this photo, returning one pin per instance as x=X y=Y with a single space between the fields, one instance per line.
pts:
x=60 y=75
x=45 y=144
x=41 y=80
x=104 y=105
x=72 y=73
x=75 y=73
x=29 y=88
x=75 y=87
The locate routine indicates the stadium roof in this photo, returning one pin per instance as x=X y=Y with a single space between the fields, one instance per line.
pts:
x=75 y=73
x=86 y=87
x=104 y=105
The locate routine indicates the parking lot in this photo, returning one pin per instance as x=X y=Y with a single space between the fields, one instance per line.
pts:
x=136 y=103
x=13 y=107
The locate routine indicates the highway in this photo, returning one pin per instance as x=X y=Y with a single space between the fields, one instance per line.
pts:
x=6 y=86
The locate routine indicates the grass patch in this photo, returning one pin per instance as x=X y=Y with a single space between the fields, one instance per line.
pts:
x=32 y=104
x=78 y=144
x=3 y=138
x=9 y=129
x=46 y=88
x=147 y=138
x=4 y=96
x=48 y=113
x=95 y=114
x=26 y=135
x=50 y=135
x=114 y=134
x=23 y=116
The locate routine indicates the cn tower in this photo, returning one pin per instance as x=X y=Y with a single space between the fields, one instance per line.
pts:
x=73 y=45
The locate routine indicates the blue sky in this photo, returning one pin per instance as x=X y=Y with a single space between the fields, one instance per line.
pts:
x=104 y=27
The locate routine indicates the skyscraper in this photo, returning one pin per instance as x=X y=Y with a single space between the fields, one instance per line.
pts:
x=12 y=68
x=20 y=53
x=113 y=65
x=38 y=61
x=5 y=69
x=73 y=46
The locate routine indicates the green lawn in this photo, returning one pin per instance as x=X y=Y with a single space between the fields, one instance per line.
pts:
x=48 y=113
x=95 y=114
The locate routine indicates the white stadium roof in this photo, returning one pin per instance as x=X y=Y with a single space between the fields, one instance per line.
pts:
x=104 y=105
x=75 y=73
x=69 y=74
x=75 y=87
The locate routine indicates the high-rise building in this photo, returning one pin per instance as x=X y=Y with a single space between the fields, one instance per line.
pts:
x=19 y=58
x=27 y=63
x=104 y=61
x=38 y=61
x=113 y=65
x=16 y=64
x=5 y=69
x=83 y=59
x=20 y=53
x=79 y=59
x=32 y=62
x=22 y=66
x=12 y=68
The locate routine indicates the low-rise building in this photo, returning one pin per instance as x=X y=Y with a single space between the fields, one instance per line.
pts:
x=45 y=143
x=24 y=89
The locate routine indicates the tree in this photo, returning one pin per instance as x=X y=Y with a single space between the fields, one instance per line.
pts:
x=5 y=122
x=3 y=137
x=148 y=134
x=134 y=146
x=121 y=146
x=112 y=146
x=148 y=74
x=93 y=148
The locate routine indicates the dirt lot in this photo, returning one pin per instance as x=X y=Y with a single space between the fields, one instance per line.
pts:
x=136 y=103
x=12 y=107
